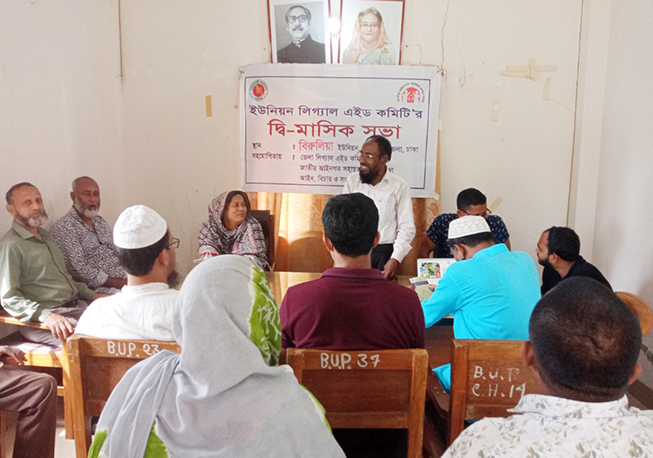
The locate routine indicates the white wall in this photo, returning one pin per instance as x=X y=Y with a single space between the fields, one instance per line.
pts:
x=524 y=156
x=623 y=245
x=59 y=104
x=66 y=110
x=589 y=121
x=623 y=241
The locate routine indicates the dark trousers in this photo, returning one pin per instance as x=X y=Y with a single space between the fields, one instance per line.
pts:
x=34 y=397
x=373 y=443
x=380 y=255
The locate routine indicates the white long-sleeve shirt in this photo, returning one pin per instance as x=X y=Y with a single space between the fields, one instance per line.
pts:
x=392 y=198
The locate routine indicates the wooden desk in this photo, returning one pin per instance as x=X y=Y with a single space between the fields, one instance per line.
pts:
x=438 y=337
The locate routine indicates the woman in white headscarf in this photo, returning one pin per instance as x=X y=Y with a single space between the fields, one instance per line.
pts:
x=222 y=396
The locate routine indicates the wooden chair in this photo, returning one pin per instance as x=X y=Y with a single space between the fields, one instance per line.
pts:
x=3 y=434
x=639 y=394
x=487 y=378
x=367 y=389
x=96 y=367
x=39 y=355
x=639 y=308
x=267 y=224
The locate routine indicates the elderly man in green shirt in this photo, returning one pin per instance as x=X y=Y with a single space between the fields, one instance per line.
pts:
x=34 y=282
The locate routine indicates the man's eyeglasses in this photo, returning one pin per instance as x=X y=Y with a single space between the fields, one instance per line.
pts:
x=302 y=18
x=368 y=155
x=174 y=242
x=485 y=214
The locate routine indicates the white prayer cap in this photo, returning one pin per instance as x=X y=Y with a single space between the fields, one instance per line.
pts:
x=467 y=225
x=138 y=227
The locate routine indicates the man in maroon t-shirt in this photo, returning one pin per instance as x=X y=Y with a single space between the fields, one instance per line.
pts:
x=352 y=306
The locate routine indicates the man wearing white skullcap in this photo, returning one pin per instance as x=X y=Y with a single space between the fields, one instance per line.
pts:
x=491 y=294
x=143 y=308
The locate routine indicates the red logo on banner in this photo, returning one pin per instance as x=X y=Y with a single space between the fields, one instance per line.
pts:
x=411 y=93
x=258 y=90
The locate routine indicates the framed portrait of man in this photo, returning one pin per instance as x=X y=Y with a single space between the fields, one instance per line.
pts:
x=298 y=32
x=370 y=32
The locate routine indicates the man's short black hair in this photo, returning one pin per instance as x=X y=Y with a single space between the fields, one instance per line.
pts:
x=585 y=339
x=351 y=222
x=140 y=261
x=385 y=148
x=10 y=194
x=472 y=240
x=468 y=197
x=306 y=11
x=564 y=242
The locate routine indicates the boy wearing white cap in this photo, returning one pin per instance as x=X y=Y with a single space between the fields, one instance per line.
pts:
x=491 y=295
x=143 y=308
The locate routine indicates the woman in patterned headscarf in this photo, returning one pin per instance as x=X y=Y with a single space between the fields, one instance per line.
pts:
x=223 y=395
x=231 y=230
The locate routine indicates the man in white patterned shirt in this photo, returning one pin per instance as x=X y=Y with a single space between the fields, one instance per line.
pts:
x=86 y=241
x=583 y=353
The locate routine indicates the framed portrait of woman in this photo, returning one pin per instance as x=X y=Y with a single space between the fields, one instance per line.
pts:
x=298 y=32
x=370 y=32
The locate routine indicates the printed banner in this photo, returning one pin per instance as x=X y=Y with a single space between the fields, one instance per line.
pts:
x=303 y=125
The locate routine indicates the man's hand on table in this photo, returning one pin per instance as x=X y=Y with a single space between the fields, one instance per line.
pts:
x=390 y=268
x=11 y=355
x=59 y=326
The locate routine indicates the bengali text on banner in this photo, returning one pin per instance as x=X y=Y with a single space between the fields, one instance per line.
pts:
x=302 y=126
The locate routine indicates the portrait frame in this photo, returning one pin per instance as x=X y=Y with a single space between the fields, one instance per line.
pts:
x=318 y=32
x=351 y=46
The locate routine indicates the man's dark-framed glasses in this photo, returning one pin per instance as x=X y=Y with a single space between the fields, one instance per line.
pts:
x=301 y=18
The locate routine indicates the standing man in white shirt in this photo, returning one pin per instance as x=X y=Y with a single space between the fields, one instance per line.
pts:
x=143 y=309
x=391 y=195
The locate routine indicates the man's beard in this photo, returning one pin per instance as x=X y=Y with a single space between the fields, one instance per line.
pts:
x=544 y=262
x=33 y=221
x=368 y=177
x=84 y=210
x=173 y=279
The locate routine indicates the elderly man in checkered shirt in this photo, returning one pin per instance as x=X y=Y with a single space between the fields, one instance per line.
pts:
x=86 y=240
